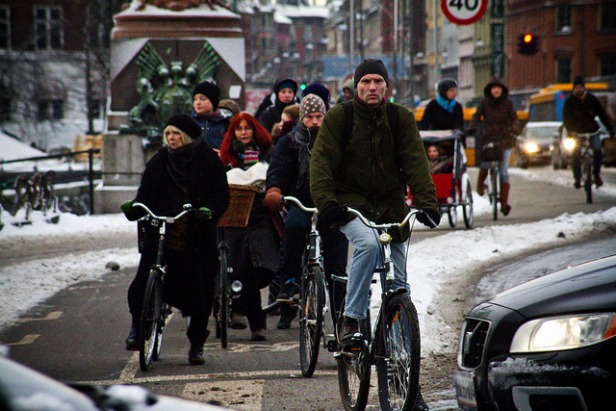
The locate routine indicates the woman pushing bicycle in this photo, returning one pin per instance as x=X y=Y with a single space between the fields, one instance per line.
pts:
x=185 y=170
x=254 y=249
x=500 y=126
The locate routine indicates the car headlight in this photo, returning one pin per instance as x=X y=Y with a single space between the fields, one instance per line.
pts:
x=563 y=333
x=531 y=147
x=569 y=144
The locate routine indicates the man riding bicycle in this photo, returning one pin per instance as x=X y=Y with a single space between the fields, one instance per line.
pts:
x=369 y=170
x=579 y=113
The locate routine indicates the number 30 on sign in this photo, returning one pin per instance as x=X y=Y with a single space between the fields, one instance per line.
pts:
x=463 y=12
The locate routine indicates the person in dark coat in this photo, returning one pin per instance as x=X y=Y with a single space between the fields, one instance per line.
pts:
x=320 y=90
x=213 y=123
x=288 y=173
x=443 y=112
x=253 y=250
x=285 y=90
x=579 y=113
x=500 y=126
x=185 y=170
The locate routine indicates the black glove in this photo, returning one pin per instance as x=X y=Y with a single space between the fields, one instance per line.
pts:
x=334 y=215
x=428 y=214
x=203 y=214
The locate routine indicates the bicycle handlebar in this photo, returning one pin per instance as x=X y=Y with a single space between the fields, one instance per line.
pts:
x=298 y=203
x=170 y=220
x=586 y=135
x=371 y=224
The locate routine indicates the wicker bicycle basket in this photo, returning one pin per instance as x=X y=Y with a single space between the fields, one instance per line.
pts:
x=241 y=198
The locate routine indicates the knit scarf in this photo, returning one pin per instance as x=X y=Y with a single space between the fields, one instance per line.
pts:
x=178 y=166
x=447 y=105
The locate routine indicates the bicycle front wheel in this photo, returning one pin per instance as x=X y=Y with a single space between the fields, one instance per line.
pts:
x=150 y=329
x=397 y=364
x=311 y=319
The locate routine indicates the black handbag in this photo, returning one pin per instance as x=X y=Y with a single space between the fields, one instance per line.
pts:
x=492 y=152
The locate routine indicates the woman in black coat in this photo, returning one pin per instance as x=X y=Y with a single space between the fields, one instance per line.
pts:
x=185 y=170
x=444 y=112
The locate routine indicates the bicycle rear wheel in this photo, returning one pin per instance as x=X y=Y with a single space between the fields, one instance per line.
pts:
x=150 y=329
x=311 y=318
x=397 y=364
x=467 y=205
x=353 y=365
x=494 y=194
x=587 y=170
x=223 y=297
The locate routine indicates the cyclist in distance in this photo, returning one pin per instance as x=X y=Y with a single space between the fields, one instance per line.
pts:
x=500 y=126
x=185 y=170
x=369 y=171
x=579 y=113
x=288 y=175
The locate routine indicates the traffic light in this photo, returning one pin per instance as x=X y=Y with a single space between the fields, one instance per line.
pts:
x=528 y=44
x=302 y=86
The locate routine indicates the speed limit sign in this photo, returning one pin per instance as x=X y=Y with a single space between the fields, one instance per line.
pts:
x=464 y=11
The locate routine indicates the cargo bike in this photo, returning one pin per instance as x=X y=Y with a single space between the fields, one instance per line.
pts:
x=453 y=186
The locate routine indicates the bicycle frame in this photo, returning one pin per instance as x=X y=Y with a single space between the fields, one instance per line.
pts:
x=587 y=152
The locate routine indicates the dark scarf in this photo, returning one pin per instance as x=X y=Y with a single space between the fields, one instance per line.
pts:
x=303 y=139
x=178 y=166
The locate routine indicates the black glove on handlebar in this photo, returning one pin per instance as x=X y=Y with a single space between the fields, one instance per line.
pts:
x=334 y=215
x=428 y=214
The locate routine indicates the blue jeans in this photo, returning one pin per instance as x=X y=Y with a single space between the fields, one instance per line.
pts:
x=367 y=255
x=503 y=166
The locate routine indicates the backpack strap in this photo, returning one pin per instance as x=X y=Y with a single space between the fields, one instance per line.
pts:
x=347 y=125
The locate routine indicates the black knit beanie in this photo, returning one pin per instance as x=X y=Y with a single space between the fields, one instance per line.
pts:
x=578 y=80
x=186 y=124
x=209 y=90
x=445 y=85
x=370 y=66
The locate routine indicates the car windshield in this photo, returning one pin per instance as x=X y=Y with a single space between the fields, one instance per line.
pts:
x=541 y=133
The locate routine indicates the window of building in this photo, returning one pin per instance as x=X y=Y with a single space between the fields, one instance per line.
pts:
x=97 y=108
x=608 y=17
x=563 y=18
x=50 y=110
x=607 y=65
x=308 y=33
x=5 y=103
x=5 y=28
x=563 y=70
x=48 y=28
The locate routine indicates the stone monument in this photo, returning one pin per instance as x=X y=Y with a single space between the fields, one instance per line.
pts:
x=160 y=49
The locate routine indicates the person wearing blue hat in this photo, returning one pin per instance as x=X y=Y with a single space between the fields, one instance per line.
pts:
x=285 y=90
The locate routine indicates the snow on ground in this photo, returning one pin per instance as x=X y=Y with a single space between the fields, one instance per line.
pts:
x=24 y=285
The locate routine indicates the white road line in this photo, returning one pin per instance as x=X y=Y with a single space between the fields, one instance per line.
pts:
x=239 y=375
x=54 y=315
x=28 y=339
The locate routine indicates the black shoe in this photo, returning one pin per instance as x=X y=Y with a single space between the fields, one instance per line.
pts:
x=284 y=323
x=421 y=405
x=598 y=180
x=289 y=292
x=195 y=355
x=349 y=330
x=132 y=341
x=577 y=184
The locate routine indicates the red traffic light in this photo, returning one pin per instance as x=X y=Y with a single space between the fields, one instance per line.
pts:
x=528 y=44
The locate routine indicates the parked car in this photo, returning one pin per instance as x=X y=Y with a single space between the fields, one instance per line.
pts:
x=548 y=344
x=22 y=388
x=534 y=142
x=562 y=147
